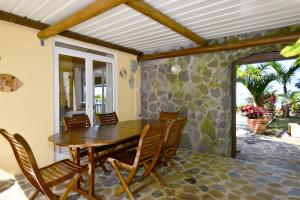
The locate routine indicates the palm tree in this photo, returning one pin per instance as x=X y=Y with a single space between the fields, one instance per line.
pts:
x=256 y=80
x=284 y=74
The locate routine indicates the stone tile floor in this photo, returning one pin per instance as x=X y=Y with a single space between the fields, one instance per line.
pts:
x=266 y=168
x=282 y=152
x=199 y=176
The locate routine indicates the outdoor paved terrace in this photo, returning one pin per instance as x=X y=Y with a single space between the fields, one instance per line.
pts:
x=282 y=151
x=198 y=176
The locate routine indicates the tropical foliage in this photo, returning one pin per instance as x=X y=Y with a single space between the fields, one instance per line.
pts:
x=293 y=50
x=284 y=74
x=294 y=99
x=256 y=80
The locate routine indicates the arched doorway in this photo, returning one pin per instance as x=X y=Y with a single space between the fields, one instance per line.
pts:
x=254 y=58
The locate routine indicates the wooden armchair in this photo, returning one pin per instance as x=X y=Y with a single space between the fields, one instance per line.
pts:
x=146 y=154
x=44 y=178
x=108 y=119
x=172 y=140
x=76 y=122
x=165 y=116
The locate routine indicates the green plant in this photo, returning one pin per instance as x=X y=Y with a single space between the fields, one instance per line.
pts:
x=292 y=50
x=256 y=80
x=284 y=74
x=295 y=101
x=98 y=98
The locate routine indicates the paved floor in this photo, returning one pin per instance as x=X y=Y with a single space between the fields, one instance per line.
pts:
x=199 y=176
x=267 y=168
x=283 y=151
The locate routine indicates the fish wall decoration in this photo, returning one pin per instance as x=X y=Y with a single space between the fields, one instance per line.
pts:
x=9 y=83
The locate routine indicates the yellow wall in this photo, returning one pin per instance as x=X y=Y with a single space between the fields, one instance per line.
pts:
x=29 y=110
x=128 y=100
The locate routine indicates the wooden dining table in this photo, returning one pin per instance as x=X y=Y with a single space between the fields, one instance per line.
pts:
x=99 y=136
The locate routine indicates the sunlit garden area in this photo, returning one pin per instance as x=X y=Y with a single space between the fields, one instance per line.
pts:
x=268 y=111
x=268 y=94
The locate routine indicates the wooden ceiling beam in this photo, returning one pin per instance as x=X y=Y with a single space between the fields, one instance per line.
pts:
x=5 y=16
x=146 y=9
x=92 y=10
x=224 y=47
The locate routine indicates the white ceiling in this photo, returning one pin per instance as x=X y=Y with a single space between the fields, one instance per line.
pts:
x=125 y=26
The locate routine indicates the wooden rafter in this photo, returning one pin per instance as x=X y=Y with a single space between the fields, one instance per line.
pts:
x=146 y=9
x=5 y=16
x=224 y=47
x=92 y=10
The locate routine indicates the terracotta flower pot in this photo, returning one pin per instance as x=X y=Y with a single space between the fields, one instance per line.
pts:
x=258 y=126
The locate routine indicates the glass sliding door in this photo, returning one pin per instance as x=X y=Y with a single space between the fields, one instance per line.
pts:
x=109 y=101
x=103 y=91
x=72 y=95
x=83 y=83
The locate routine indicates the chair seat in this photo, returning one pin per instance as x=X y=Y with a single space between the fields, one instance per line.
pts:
x=60 y=171
x=126 y=158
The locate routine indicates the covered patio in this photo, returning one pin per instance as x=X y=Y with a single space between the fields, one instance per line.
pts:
x=94 y=87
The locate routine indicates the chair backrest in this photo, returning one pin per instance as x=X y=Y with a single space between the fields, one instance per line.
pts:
x=76 y=121
x=27 y=162
x=165 y=116
x=172 y=138
x=150 y=144
x=108 y=119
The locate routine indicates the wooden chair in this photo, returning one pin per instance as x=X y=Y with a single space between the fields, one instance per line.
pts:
x=146 y=154
x=44 y=178
x=108 y=119
x=172 y=140
x=165 y=116
x=76 y=122
x=112 y=119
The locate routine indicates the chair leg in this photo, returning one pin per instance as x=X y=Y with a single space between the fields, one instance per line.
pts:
x=156 y=176
x=173 y=166
x=34 y=195
x=123 y=181
x=72 y=154
x=70 y=186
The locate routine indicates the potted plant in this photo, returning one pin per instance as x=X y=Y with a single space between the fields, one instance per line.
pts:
x=257 y=120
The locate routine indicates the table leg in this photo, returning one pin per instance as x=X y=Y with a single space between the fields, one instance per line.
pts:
x=91 y=174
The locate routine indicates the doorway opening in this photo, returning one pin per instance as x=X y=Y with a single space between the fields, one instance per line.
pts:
x=84 y=83
x=266 y=107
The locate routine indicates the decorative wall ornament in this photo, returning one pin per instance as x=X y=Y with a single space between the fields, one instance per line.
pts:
x=131 y=81
x=133 y=66
x=123 y=72
x=9 y=83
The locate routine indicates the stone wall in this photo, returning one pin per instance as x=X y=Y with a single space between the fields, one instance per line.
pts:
x=201 y=91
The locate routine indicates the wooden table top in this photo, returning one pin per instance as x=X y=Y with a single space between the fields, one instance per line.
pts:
x=100 y=136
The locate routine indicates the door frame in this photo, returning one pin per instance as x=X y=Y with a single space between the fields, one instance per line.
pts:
x=89 y=58
x=254 y=58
